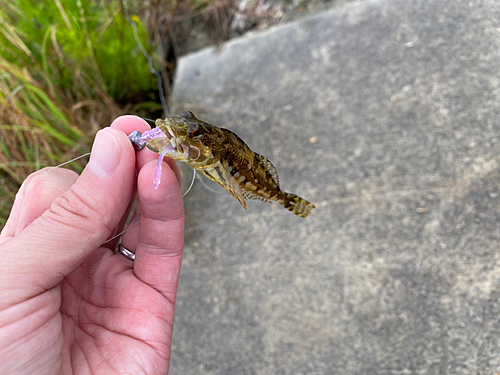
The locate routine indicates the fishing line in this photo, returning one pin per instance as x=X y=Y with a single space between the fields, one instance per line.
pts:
x=123 y=231
x=161 y=92
x=208 y=187
x=148 y=119
x=138 y=221
x=72 y=160
x=66 y=162
x=148 y=57
x=192 y=183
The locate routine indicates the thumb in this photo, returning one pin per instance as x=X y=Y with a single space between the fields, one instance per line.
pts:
x=78 y=221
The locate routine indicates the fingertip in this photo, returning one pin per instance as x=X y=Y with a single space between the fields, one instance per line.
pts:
x=129 y=123
x=161 y=239
x=164 y=202
x=111 y=151
x=145 y=156
x=120 y=136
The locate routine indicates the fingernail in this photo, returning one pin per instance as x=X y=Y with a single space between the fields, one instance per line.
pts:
x=106 y=154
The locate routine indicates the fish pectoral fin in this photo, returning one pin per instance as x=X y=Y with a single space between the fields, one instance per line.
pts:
x=221 y=175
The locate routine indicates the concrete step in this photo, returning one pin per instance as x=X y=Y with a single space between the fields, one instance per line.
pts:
x=385 y=114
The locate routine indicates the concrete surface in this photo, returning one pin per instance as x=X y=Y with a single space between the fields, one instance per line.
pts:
x=398 y=269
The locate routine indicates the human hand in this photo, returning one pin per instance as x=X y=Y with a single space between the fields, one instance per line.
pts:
x=68 y=304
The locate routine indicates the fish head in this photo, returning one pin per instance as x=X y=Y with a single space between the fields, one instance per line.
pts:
x=186 y=139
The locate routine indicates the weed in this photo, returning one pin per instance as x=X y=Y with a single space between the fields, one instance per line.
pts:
x=64 y=66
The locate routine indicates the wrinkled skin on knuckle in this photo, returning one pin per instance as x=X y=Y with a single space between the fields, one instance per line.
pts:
x=76 y=208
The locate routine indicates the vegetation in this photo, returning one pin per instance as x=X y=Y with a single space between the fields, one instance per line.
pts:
x=70 y=67
x=67 y=68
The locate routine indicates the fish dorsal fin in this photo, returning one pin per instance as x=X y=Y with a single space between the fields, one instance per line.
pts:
x=252 y=196
x=269 y=168
x=220 y=174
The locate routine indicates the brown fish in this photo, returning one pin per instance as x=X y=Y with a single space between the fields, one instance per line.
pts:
x=223 y=157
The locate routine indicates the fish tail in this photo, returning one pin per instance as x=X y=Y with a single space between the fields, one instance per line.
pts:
x=297 y=205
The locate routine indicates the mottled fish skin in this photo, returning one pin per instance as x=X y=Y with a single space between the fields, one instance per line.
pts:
x=223 y=157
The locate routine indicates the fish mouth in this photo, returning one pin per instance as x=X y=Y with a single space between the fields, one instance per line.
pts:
x=169 y=143
x=183 y=152
x=176 y=142
x=166 y=144
x=165 y=141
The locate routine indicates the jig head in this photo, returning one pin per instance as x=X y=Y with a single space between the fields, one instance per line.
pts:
x=137 y=140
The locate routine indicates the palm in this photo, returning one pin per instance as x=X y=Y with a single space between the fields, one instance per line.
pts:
x=69 y=308
x=112 y=321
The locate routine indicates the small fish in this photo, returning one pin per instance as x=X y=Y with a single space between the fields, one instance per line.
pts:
x=223 y=157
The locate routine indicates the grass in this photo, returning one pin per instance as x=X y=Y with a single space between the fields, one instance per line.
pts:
x=67 y=69
x=70 y=67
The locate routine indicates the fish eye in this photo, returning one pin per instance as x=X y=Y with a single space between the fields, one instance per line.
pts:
x=195 y=132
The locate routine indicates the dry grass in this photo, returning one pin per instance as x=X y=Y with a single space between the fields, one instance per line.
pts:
x=70 y=67
x=53 y=99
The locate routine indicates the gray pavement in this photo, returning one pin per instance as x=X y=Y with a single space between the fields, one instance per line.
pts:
x=386 y=115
